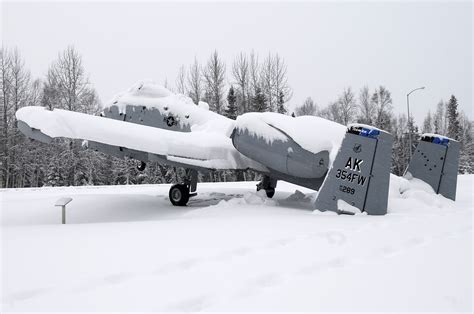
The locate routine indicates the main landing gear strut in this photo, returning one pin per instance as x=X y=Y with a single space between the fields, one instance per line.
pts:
x=268 y=184
x=180 y=193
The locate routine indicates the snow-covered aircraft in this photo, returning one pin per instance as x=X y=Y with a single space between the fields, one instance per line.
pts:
x=350 y=166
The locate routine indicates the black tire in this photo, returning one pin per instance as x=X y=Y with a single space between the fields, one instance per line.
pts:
x=270 y=192
x=179 y=194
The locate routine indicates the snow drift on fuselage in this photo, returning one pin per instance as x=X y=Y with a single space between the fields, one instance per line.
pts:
x=299 y=147
x=150 y=104
x=312 y=133
x=171 y=125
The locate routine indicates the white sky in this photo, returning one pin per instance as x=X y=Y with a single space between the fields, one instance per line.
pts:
x=327 y=46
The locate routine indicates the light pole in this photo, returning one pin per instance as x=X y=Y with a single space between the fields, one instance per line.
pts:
x=408 y=108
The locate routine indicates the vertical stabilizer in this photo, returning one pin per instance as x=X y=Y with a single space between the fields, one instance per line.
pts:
x=436 y=161
x=360 y=174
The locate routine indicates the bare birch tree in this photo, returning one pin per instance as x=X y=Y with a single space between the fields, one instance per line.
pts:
x=19 y=89
x=308 y=108
x=366 y=107
x=282 y=90
x=195 y=83
x=35 y=93
x=181 y=81
x=268 y=81
x=6 y=109
x=254 y=69
x=241 y=75
x=66 y=75
x=347 y=106
x=214 y=76
x=20 y=81
x=382 y=101
x=274 y=82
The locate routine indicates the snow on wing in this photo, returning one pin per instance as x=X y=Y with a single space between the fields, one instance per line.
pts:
x=211 y=150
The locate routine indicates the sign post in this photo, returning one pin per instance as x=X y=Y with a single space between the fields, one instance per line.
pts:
x=63 y=202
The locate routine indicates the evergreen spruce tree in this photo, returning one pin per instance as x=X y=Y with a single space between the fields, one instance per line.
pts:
x=281 y=103
x=81 y=175
x=428 y=123
x=466 y=158
x=105 y=173
x=400 y=154
x=454 y=128
x=259 y=101
x=231 y=110
x=438 y=119
x=54 y=175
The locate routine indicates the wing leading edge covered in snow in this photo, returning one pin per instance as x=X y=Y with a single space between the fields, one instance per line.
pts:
x=200 y=149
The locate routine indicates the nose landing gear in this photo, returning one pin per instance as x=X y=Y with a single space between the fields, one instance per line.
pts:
x=268 y=184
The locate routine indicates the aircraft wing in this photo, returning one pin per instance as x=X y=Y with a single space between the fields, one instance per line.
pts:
x=197 y=149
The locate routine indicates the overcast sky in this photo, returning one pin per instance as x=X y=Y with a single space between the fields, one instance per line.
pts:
x=327 y=46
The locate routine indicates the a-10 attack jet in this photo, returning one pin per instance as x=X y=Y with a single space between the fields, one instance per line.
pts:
x=348 y=165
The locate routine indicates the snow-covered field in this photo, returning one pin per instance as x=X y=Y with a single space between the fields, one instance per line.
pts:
x=126 y=248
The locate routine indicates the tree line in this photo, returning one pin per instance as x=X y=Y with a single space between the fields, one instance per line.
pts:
x=255 y=84
x=376 y=108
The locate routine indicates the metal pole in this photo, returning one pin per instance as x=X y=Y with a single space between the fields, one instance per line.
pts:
x=408 y=109
x=64 y=214
x=409 y=131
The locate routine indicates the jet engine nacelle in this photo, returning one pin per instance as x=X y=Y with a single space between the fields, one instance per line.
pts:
x=285 y=157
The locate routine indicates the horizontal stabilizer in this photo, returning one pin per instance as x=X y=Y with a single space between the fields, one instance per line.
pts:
x=360 y=174
x=435 y=161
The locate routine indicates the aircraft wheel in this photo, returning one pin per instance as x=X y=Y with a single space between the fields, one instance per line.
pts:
x=179 y=194
x=270 y=192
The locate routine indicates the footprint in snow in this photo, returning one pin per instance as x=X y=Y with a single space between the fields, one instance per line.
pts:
x=241 y=251
x=267 y=280
x=177 y=266
x=311 y=268
x=26 y=294
x=194 y=304
x=317 y=266
x=386 y=251
x=332 y=237
x=453 y=233
x=416 y=241
x=187 y=263
x=337 y=262
x=238 y=252
x=117 y=278
x=335 y=238
x=279 y=243
x=255 y=285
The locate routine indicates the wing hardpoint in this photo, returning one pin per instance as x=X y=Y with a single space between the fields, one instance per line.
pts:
x=197 y=149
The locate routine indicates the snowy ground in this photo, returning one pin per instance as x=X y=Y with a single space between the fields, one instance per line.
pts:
x=127 y=249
